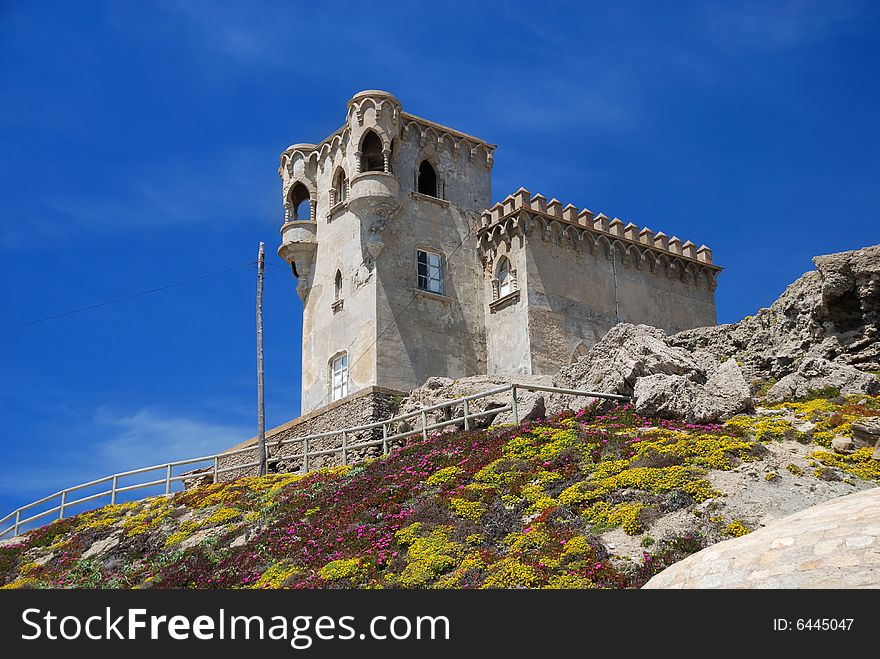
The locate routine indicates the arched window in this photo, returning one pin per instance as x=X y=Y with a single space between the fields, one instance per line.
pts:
x=300 y=203
x=337 y=287
x=372 y=159
x=427 y=181
x=339 y=376
x=504 y=277
x=340 y=187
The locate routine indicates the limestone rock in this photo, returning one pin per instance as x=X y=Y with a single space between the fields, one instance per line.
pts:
x=665 y=396
x=876 y=454
x=842 y=444
x=866 y=432
x=724 y=395
x=101 y=547
x=832 y=312
x=625 y=354
x=818 y=374
x=829 y=545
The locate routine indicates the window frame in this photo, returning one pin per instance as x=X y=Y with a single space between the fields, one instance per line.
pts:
x=508 y=282
x=433 y=272
x=339 y=389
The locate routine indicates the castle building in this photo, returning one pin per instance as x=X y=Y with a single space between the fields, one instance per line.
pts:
x=406 y=270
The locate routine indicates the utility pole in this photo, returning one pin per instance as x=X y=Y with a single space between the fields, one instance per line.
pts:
x=261 y=407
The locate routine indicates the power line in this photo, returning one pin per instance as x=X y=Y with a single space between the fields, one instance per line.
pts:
x=128 y=297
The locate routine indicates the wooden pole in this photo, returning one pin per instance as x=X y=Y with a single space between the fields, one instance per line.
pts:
x=261 y=407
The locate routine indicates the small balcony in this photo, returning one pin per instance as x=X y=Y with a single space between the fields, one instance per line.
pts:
x=374 y=193
x=298 y=243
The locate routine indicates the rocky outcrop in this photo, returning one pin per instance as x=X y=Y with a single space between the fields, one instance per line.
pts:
x=816 y=374
x=725 y=394
x=831 y=313
x=663 y=380
x=624 y=355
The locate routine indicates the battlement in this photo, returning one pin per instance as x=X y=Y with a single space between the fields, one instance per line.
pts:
x=613 y=230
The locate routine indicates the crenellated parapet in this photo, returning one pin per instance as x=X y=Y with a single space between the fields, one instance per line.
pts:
x=524 y=214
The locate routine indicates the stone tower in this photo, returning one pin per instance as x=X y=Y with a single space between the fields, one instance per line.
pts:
x=379 y=229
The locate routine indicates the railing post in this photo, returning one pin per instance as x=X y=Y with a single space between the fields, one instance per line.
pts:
x=425 y=426
x=467 y=409
x=513 y=406
x=305 y=454
x=168 y=481
x=17 y=522
x=344 y=448
x=113 y=490
x=216 y=467
x=63 y=502
x=384 y=439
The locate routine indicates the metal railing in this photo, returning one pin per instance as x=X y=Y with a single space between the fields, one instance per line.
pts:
x=213 y=462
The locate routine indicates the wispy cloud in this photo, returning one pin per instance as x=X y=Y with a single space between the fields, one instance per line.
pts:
x=121 y=441
x=777 y=25
x=150 y=435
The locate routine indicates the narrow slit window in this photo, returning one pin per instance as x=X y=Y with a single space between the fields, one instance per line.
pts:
x=430 y=272
x=337 y=287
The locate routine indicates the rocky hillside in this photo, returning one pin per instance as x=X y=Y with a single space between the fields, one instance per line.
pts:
x=594 y=499
x=831 y=313
x=730 y=427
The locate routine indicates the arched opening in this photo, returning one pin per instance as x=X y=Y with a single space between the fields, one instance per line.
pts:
x=337 y=286
x=340 y=187
x=427 y=180
x=299 y=202
x=372 y=159
x=504 y=277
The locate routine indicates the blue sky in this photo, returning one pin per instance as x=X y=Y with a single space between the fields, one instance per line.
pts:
x=139 y=145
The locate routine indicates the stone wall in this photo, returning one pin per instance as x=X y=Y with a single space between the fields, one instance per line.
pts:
x=360 y=408
x=578 y=275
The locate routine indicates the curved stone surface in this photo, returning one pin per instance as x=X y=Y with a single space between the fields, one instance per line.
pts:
x=833 y=545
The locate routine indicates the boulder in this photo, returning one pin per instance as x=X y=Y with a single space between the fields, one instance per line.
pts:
x=666 y=396
x=724 y=395
x=625 y=354
x=866 y=432
x=816 y=374
x=842 y=444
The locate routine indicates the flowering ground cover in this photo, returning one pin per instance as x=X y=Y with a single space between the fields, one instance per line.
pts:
x=508 y=507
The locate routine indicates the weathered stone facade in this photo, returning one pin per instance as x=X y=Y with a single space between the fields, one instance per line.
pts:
x=523 y=287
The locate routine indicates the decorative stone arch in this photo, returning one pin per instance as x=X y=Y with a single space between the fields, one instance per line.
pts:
x=386 y=145
x=298 y=191
x=503 y=277
x=429 y=156
x=339 y=186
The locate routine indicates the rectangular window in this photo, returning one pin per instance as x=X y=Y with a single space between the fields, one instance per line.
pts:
x=339 y=377
x=430 y=272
